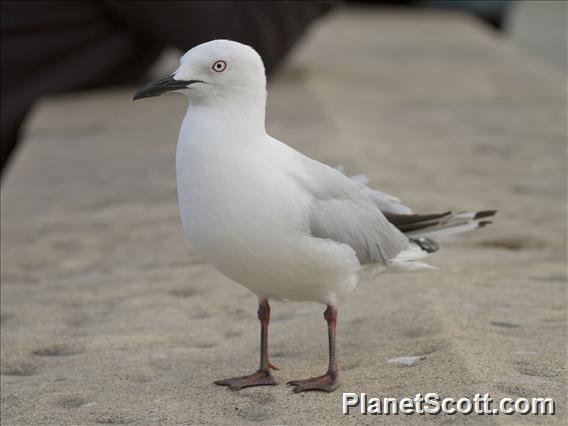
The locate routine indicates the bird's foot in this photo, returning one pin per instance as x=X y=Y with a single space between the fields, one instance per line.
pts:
x=326 y=383
x=260 y=378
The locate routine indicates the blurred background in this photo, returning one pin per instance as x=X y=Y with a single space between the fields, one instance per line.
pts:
x=57 y=46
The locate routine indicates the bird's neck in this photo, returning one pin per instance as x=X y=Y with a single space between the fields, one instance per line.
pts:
x=244 y=120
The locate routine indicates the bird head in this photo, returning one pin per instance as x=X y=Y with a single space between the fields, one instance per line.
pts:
x=219 y=71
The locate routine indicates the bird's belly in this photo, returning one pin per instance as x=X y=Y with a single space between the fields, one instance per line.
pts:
x=250 y=220
x=265 y=245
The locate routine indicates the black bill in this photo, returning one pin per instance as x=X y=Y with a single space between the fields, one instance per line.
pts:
x=157 y=87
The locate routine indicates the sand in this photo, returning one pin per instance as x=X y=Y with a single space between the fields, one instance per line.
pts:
x=109 y=316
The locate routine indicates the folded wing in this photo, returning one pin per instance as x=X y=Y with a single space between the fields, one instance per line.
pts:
x=341 y=211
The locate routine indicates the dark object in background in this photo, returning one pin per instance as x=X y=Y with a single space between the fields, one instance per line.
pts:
x=492 y=12
x=58 y=46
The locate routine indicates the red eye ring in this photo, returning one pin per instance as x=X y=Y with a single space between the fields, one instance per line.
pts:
x=219 y=66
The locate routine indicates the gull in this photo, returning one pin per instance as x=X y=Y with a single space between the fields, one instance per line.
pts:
x=281 y=224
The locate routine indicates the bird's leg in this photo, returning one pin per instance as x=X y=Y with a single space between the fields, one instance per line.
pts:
x=328 y=382
x=262 y=376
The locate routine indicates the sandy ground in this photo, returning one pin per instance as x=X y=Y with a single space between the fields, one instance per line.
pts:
x=108 y=315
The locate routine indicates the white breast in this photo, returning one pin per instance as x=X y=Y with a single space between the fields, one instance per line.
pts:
x=244 y=213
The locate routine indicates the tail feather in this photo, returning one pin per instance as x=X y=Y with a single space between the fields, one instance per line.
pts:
x=442 y=231
x=421 y=229
x=439 y=225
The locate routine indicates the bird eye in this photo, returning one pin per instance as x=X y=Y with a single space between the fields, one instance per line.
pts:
x=219 y=66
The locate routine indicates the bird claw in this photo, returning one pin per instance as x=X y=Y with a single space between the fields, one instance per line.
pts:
x=260 y=378
x=326 y=383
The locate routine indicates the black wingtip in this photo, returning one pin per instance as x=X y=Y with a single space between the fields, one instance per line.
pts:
x=485 y=213
x=484 y=223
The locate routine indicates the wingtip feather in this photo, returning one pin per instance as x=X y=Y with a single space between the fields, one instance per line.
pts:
x=485 y=213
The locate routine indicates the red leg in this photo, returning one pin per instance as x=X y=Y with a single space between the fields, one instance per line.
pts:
x=262 y=376
x=328 y=382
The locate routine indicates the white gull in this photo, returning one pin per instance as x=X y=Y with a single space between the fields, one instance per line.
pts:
x=279 y=223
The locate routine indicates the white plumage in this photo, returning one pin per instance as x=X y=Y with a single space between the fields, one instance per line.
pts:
x=249 y=203
x=279 y=223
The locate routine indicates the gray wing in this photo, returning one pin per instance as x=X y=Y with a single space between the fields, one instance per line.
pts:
x=343 y=212
x=386 y=203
